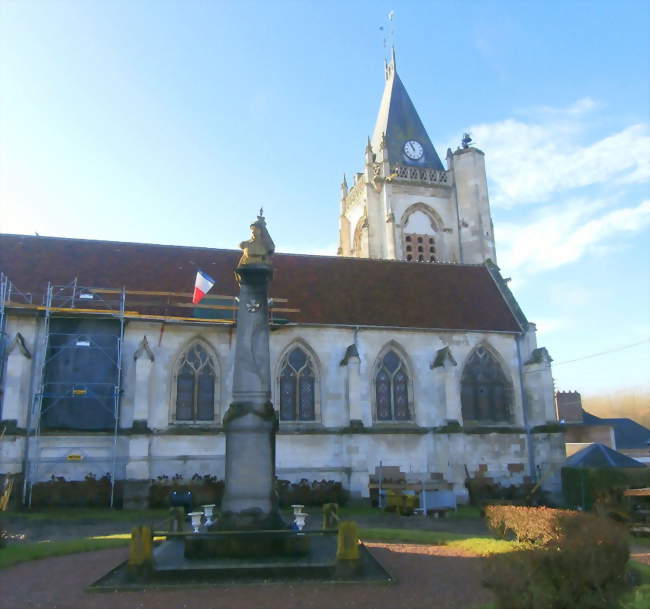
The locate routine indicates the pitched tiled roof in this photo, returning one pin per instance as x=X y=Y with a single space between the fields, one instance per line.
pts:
x=627 y=433
x=599 y=455
x=327 y=290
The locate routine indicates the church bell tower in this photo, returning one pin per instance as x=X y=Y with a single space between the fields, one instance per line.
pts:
x=405 y=205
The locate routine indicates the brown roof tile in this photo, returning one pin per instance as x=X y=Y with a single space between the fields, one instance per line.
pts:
x=327 y=290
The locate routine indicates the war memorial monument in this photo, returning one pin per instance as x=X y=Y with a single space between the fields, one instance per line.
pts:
x=248 y=541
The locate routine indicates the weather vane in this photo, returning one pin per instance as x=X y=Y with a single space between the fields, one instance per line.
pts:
x=390 y=33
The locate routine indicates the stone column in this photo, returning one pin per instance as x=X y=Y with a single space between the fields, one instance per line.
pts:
x=251 y=423
x=144 y=359
x=452 y=395
x=354 y=388
x=353 y=398
x=448 y=382
x=15 y=402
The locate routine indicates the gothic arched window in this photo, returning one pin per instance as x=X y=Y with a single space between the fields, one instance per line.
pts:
x=391 y=386
x=297 y=386
x=196 y=382
x=419 y=233
x=486 y=394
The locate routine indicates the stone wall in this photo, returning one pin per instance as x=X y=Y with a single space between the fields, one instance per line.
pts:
x=344 y=443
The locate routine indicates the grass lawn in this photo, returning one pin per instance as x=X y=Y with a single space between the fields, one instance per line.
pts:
x=21 y=552
x=81 y=514
x=363 y=509
x=481 y=546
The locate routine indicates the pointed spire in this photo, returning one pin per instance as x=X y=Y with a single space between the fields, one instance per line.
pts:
x=344 y=187
x=370 y=157
x=398 y=123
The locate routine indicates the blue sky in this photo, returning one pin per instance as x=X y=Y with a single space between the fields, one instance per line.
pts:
x=173 y=122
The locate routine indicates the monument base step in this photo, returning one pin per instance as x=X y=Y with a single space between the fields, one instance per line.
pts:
x=171 y=569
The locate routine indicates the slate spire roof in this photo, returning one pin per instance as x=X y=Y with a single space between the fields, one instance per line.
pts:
x=398 y=122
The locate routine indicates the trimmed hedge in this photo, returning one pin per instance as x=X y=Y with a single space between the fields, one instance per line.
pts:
x=483 y=490
x=89 y=492
x=583 y=486
x=541 y=525
x=317 y=492
x=209 y=489
x=576 y=560
x=205 y=490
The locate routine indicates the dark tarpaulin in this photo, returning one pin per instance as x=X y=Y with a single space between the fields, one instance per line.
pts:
x=80 y=374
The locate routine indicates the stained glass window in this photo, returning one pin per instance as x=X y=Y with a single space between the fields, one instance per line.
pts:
x=486 y=394
x=196 y=379
x=297 y=387
x=391 y=387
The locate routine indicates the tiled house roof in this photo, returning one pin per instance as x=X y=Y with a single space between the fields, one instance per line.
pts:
x=326 y=289
x=599 y=455
x=628 y=433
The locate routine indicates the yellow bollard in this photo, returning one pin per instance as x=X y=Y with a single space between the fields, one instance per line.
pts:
x=140 y=551
x=347 y=547
x=330 y=515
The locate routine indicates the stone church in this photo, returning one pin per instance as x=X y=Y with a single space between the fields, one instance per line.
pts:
x=406 y=350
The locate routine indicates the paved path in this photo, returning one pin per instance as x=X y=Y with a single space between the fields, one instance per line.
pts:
x=428 y=576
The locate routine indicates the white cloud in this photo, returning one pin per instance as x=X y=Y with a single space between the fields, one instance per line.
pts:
x=561 y=236
x=569 y=294
x=531 y=161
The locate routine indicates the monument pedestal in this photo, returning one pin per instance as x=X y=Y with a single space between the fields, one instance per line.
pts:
x=253 y=544
x=250 y=424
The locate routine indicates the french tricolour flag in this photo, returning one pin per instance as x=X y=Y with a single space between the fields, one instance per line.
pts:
x=202 y=286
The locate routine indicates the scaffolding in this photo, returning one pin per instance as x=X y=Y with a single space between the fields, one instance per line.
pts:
x=4 y=340
x=74 y=300
x=48 y=394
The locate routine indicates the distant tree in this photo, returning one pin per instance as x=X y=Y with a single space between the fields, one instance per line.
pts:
x=629 y=404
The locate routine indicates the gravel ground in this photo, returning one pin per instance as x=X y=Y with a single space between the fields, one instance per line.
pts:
x=428 y=576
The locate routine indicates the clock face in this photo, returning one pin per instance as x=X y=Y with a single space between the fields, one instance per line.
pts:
x=413 y=150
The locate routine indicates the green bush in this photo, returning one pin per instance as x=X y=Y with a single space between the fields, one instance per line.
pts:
x=205 y=489
x=89 y=492
x=541 y=525
x=208 y=489
x=582 y=486
x=317 y=492
x=580 y=566
x=483 y=489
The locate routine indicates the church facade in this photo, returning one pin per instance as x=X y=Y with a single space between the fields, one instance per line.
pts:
x=407 y=350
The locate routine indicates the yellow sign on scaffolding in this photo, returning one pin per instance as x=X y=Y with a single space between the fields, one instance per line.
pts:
x=79 y=392
x=73 y=457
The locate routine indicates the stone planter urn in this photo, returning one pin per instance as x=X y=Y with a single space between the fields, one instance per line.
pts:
x=208 y=512
x=196 y=520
